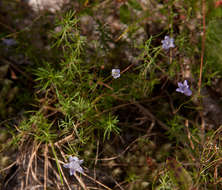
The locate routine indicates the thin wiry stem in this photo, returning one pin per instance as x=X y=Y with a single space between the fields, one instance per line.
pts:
x=202 y=43
x=34 y=151
x=201 y=64
x=46 y=163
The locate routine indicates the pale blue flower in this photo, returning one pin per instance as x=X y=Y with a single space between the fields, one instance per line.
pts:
x=167 y=43
x=115 y=73
x=74 y=165
x=184 y=88
x=9 y=42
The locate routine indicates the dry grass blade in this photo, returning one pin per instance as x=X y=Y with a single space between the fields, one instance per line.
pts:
x=150 y=115
x=33 y=187
x=127 y=148
x=34 y=151
x=46 y=165
x=64 y=177
x=66 y=139
x=11 y=177
x=188 y=134
x=202 y=43
x=80 y=182
x=97 y=182
x=77 y=177
x=8 y=167
x=60 y=168
x=34 y=175
x=55 y=173
x=202 y=129
x=96 y=159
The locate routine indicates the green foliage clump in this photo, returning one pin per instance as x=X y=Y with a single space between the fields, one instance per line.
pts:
x=135 y=128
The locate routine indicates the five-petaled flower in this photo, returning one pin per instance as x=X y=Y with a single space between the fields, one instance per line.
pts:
x=115 y=73
x=74 y=165
x=167 y=43
x=184 y=88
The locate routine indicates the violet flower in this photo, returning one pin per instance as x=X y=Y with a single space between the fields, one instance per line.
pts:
x=115 y=73
x=167 y=43
x=9 y=42
x=184 y=88
x=74 y=165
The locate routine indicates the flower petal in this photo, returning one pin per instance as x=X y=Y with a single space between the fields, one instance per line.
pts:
x=185 y=83
x=180 y=85
x=66 y=165
x=179 y=90
x=72 y=171
x=188 y=92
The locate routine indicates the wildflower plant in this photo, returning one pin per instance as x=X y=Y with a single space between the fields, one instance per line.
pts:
x=115 y=73
x=75 y=107
x=9 y=42
x=74 y=165
x=167 y=43
x=184 y=88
